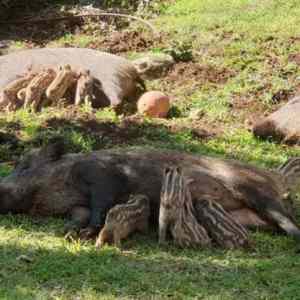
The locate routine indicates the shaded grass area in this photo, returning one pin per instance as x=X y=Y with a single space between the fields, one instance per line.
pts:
x=242 y=67
x=84 y=131
x=62 y=270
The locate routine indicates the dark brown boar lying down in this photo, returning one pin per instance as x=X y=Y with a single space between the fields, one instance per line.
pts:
x=48 y=183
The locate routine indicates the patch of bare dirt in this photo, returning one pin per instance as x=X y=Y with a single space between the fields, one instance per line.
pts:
x=42 y=26
x=199 y=132
x=124 y=41
x=295 y=58
x=272 y=60
x=190 y=71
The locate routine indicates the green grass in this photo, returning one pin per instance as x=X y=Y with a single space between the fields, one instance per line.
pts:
x=253 y=41
x=62 y=270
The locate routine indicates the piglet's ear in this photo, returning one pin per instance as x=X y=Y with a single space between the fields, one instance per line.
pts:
x=167 y=170
x=178 y=170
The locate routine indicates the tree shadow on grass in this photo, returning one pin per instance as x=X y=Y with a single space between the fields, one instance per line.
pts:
x=84 y=132
x=69 y=272
x=55 y=20
x=36 y=263
x=39 y=33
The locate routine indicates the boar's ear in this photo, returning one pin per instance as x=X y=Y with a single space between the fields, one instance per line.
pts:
x=54 y=150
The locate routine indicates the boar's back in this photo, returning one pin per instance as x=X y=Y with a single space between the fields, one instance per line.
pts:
x=117 y=75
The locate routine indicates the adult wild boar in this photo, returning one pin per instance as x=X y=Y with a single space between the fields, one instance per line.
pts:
x=47 y=182
x=118 y=77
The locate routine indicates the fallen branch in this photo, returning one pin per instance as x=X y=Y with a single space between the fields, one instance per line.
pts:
x=58 y=19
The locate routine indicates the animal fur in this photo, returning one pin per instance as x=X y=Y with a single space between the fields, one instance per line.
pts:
x=177 y=213
x=221 y=227
x=256 y=197
x=118 y=76
x=124 y=219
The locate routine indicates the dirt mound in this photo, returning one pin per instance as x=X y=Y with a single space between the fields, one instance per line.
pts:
x=187 y=71
x=124 y=41
x=295 y=58
x=198 y=131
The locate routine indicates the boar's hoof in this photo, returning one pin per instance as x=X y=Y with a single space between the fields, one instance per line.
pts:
x=71 y=235
x=88 y=233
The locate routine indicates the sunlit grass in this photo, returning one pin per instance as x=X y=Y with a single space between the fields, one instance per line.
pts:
x=253 y=40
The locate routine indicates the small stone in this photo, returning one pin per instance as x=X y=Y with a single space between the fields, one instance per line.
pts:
x=154 y=104
x=25 y=258
x=4 y=44
x=153 y=66
x=196 y=114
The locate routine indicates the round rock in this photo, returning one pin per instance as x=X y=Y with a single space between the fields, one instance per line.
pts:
x=153 y=66
x=154 y=104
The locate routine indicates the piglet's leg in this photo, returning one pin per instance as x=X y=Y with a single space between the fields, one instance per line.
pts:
x=163 y=228
x=143 y=226
x=117 y=240
x=88 y=233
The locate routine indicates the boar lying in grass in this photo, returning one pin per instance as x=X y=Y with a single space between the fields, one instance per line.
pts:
x=48 y=182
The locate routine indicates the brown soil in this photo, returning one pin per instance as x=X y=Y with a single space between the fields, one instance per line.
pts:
x=55 y=23
x=124 y=41
x=190 y=71
x=295 y=58
x=198 y=131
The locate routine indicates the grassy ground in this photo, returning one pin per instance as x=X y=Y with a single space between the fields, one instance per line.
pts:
x=243 y=66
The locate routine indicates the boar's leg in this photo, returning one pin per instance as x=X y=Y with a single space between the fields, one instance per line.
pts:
x=272 y=210
x=80 y=217
x=250 y=219
x=117 y=239
x=103 y=185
